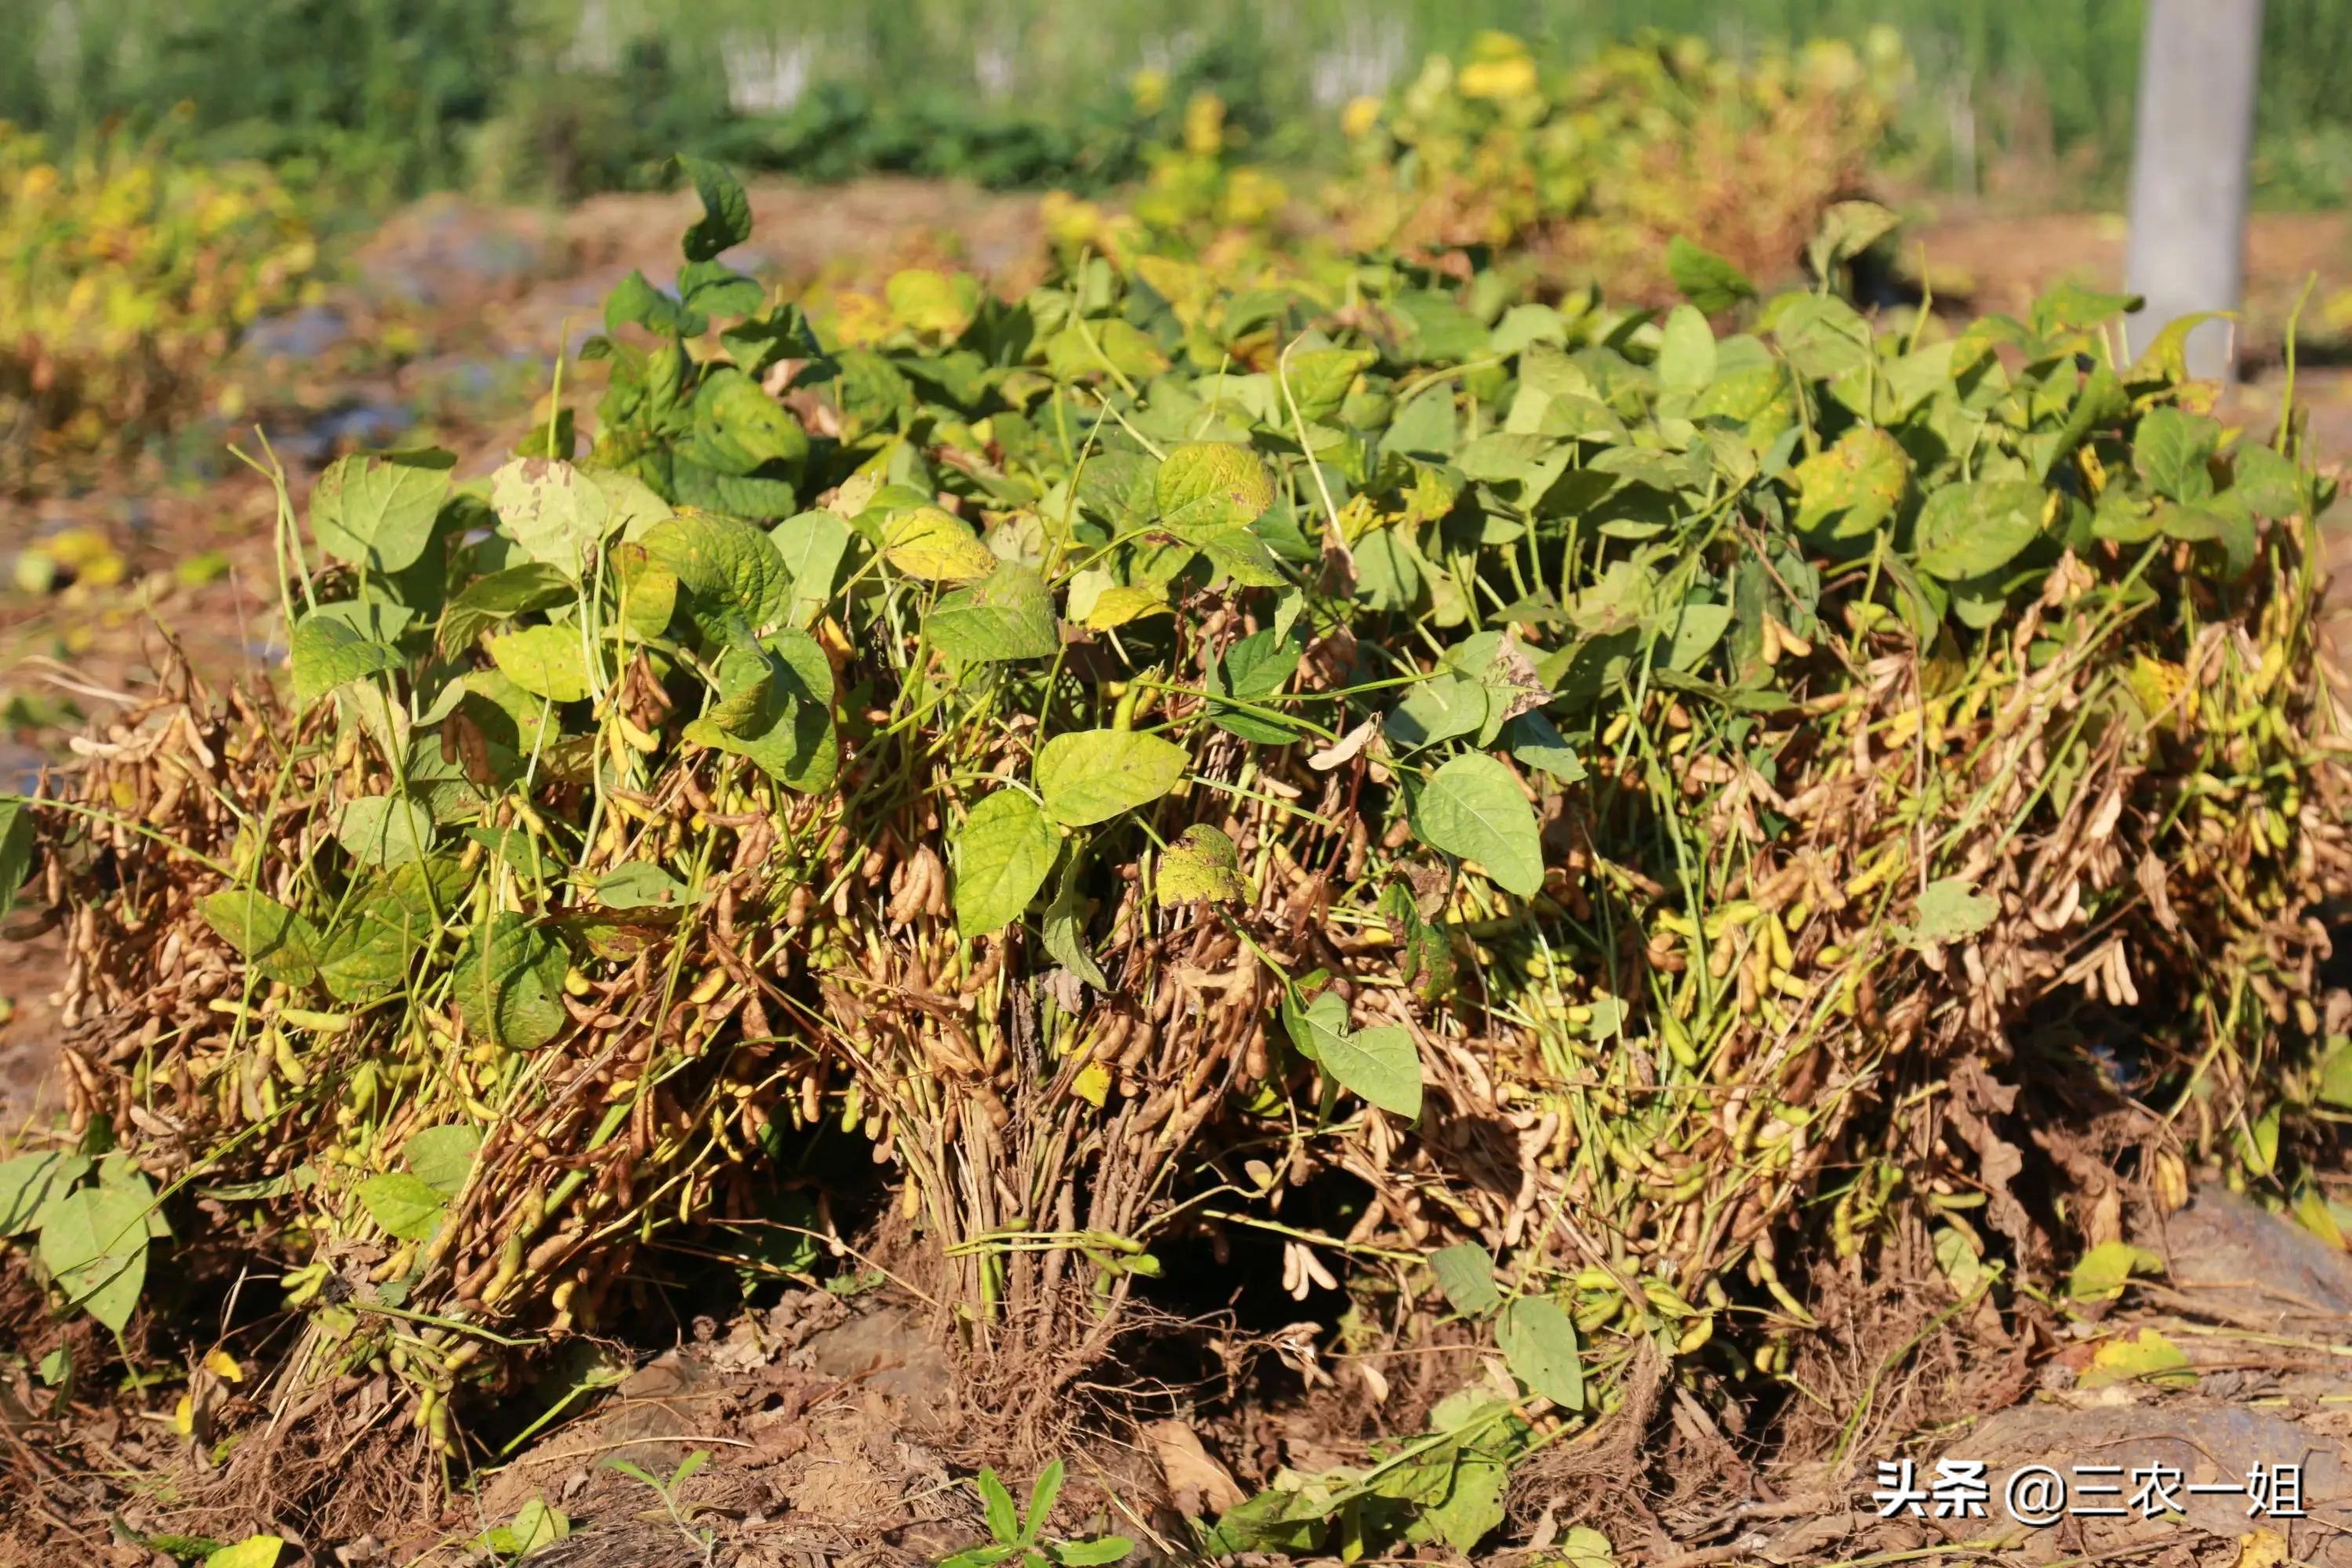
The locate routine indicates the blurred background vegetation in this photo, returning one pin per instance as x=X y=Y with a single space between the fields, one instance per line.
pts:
x=2027 y=103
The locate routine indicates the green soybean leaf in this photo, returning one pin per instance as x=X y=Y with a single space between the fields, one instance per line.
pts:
x=639 y=885
x=1316 y=1024
x=1001 y=857
x=384 y=829
x=403 y=1206
x=812 y=545
x=94 y=1244
x=1535 y=740
x=2172 y=449
x=277 y=942
x=368 y=954
x=442 y=1157
x=1436 y=711
x=1202 y=866
x=1696 y=628
x=253 y=1552
x=1687 y=354
x=1968 y=530
x=1259 y=665
x=1465 y=1272
x=932 y=302
x=716 y=289
x=378 y=512
x=648 y=591
x=2103 y=1271
x=30 y=1181
x=1319 y=379
x=553 y=512
x=1539 y=1344
x=1006 y=615
x=1705 y=278
x=1950 y=910
x=1381 y=1065
x=1472 y=807
x=509 y=982
x=1092 y=776
x=730 y=566
x=1065 y=926
x=327 y=652
x=1208 y=487
x=546 y=661
x=485 y=601
x=15 y=851
x=738 y=428
x=634 y=302
x=726 y=220
x=1852 y=487
x=777 y=710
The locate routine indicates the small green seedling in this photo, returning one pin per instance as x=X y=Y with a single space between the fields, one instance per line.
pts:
x=1019 y=1539
x=668 y=1490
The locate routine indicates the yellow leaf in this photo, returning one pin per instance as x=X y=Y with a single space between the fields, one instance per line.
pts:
x=936 y=546
x=223 y=1365
x=931 y=301
x=1203 y=865
x=2261 y=1549
x=2146 y=1357
x=2312 y=1209
x=1092 y=1084
x=183 y=1416
x=1117 y=604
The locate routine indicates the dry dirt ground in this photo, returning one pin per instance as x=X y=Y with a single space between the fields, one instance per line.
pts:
x=822 y=1417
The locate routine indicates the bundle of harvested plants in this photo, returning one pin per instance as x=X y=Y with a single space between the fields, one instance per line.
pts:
x=1638 y=793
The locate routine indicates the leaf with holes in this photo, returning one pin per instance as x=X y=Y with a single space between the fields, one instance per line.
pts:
x=508 y=983
x=1201 y=866
x=552 y=510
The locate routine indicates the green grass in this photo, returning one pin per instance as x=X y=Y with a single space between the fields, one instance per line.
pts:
x=576 y=94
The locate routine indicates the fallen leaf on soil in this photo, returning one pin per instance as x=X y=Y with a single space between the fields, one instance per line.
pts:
x=2146 y=1357
x=1197 y=1483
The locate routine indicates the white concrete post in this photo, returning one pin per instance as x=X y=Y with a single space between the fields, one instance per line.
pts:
x=2190 y=157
